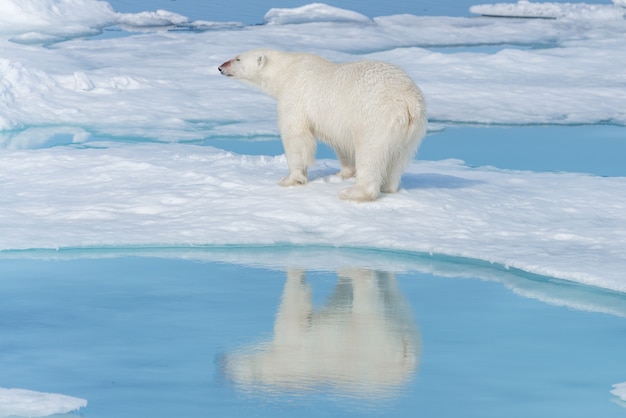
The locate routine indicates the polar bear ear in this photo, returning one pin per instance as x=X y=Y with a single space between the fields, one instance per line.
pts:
x=260 y=60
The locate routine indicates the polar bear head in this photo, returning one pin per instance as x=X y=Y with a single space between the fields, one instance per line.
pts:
x=245 y=66
x=259 y=67
x=250 y=66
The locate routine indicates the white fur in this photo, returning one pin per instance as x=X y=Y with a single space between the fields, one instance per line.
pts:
x=370 y=112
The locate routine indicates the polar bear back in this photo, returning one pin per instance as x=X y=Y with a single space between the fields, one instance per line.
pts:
x=341 y=100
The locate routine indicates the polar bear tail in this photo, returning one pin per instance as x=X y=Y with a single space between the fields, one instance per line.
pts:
x=408 y=135
x=417 y=120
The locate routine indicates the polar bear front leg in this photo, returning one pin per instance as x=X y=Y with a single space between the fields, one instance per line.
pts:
x=347 y=172
x=295 y=178
x=300 y=153
x=347 y=163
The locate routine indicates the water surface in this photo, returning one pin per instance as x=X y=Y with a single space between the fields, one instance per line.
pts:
x=279 y=332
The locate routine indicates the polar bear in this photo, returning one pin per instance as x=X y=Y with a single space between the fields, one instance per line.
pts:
x=370 y=112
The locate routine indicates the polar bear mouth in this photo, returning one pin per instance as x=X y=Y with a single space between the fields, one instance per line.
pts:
x=224 y=72
x=223 y=69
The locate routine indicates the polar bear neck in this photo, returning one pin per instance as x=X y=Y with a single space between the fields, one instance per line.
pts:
x=272 y=77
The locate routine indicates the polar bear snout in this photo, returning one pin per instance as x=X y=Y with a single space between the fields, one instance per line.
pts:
x=225 y=68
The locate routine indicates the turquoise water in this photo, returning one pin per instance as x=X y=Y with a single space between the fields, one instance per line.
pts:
x=152 y=335
x=593 y=149
x=252 y=12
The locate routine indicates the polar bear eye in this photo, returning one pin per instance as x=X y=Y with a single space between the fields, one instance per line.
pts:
x=237 y=59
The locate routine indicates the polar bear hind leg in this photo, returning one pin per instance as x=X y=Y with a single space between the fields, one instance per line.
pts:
x=371 y=161
x=395 y=168
x=409 y=138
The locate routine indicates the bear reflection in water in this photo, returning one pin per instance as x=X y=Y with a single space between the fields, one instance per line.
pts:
x=363 y=342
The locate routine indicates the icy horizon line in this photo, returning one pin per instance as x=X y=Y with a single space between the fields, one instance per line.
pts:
x=25 y=21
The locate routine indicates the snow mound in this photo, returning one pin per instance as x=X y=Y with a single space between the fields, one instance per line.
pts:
x=314 y=12
x=42 y=20
x=34 y=21
x=28 y=403
x=527 y=9
x=160 y=18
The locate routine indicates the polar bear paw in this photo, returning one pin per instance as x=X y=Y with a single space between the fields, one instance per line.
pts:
x=297 y=179
x=347 y=172
x=359 y=193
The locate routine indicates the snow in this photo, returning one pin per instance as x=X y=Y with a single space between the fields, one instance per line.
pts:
x=529 y=9
x=185 y=195
x=165 y=86
x=51 y=19
x=314 y=12
x=160 y=18
x=32 y=21
x=115 y=102
x=27 y=403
